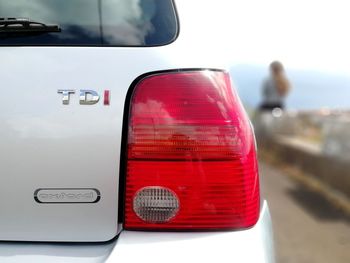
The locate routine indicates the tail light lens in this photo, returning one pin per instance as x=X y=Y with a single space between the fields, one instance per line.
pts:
x=191 y=158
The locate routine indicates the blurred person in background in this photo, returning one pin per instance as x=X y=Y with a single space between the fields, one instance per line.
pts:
x=275 y=88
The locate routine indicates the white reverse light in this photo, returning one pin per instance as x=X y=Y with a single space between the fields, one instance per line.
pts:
x=156 y=204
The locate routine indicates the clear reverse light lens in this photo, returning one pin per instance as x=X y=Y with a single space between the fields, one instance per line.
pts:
x=156 y=204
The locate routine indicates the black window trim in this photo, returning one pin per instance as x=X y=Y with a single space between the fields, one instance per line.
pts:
x=176 y=35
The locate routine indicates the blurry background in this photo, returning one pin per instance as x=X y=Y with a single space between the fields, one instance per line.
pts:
x=304 y=151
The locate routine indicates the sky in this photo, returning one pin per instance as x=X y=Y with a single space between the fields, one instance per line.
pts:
x=303 y=34
x=310 y=37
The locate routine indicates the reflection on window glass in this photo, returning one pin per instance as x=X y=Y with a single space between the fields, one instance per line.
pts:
x=94 y=22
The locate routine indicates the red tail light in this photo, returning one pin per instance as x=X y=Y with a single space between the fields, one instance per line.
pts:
x=191 y=155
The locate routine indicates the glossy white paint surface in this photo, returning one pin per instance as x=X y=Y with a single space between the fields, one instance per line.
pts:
x=251 y=246
x=45 y=144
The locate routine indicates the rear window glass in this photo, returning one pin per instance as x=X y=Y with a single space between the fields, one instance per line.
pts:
x=93 y=22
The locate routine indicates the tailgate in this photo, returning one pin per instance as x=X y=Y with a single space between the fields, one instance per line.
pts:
x=63 y=93
x=65 y=154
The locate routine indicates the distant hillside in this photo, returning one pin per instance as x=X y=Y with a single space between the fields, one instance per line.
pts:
x=311 y=89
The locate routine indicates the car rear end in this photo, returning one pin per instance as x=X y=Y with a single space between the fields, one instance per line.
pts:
x=122 y=137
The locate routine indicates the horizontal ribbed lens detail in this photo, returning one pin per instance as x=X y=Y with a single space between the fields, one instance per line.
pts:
x=191 y=145
x=155 y=204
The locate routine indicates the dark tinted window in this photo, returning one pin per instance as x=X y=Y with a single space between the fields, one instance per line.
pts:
x=94 y=22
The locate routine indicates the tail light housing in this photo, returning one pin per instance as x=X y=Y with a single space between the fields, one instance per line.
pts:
x=191 y=157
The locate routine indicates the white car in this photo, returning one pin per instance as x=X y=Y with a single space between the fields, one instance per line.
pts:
x=122 y=137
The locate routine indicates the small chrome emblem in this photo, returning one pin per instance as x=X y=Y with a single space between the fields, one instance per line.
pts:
x=66 y=195
x=86 y=97
x=65 y=95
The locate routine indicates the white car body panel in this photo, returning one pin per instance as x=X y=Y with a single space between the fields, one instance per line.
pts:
x=245 y=246
x=252 y=245
x=85 y=143
x=84 y=140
